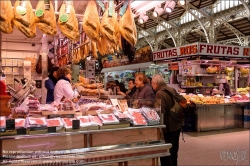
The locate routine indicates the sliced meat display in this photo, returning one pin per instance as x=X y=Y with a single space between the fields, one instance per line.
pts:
x=138 y=119
x=54 y=122
x=19 y=123
x=45 y=18
x=2 y=123
x=68 y=22
x=67 y=122
x=24 y=18
x=91 y=22
x=127 y=27
x=37 y=121
x=84 y=119
x=95 y=120
x=108 y=118
x=6 y=17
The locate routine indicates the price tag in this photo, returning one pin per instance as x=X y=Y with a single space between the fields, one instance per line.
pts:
x=21 y=10
x=200 y=95
x=21 y=131
x=64 y=18
x=75 y=124
x=10 y=124
x=39 y=12
x=51 y=129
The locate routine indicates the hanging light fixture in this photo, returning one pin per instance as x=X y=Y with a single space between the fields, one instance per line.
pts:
x=143 y=18
x=158 y=11
x=182 y=2
x=170 y=7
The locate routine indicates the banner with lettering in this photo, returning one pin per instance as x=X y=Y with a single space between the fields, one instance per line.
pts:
x=202 y=49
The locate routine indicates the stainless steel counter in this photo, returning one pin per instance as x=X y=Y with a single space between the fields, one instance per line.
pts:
x=219 y=116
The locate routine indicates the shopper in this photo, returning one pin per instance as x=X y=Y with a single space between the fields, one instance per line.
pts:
x=172 y=131
x=225 y=87
x=131 y=89
x=120 y=88
x=63 y=87
x=144 y=94
x=49 y=86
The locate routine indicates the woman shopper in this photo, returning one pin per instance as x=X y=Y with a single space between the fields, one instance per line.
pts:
x=49 y=86
x=63 y=87
x=144 y=94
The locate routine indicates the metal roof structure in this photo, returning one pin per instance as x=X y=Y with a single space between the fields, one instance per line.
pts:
x=210 y=21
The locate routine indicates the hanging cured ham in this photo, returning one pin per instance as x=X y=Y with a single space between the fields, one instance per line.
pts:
x=6 y=17
x=91 y=22
x=45 y=17
x=67 y=22
x=127 y=27
x=109 y=25
x=24 y=18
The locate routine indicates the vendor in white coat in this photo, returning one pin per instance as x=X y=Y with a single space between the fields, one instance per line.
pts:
x=63 y=87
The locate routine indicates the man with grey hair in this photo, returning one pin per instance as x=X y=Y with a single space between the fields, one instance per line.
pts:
x=173 y=127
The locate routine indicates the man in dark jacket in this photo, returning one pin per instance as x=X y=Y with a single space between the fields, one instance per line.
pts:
x=49 y=83
x=172 y=130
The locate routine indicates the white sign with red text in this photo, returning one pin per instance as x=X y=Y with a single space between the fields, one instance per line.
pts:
x=202 y=49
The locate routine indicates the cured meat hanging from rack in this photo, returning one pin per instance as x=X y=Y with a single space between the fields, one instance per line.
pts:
x=91 y=22
x=109 y=25
x=128 y=49
x=25 y=21
x=6 y=17
x=94 y=49
x=102 y=45
x=63 y=60
x=69 y=26
x=46 y=21
x=127 y=27
x=39 y=65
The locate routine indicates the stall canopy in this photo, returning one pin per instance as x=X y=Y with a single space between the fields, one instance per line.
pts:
x=202 y=49
x=127 y=67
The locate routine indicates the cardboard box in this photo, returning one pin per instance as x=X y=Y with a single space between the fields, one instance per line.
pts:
x=8 y=62
x=14 y=62
x=19 y=63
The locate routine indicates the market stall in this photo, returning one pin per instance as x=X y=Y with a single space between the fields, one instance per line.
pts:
x=202 y=68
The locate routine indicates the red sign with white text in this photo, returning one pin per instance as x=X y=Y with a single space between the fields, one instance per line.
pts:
x=202 y=49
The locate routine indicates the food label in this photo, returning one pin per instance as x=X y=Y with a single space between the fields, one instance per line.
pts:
x=21 y=131
x=10 y=124
x=75 y=124
x=21 y=10
x=39 y=12
x=64 y=18
x=51 y=129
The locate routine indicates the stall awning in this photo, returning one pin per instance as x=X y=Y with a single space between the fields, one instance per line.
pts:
x=127 y=67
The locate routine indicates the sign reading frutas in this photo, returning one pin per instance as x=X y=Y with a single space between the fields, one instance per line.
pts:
x=202 y=49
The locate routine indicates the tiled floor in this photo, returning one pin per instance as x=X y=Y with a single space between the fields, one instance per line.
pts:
x=224 y=147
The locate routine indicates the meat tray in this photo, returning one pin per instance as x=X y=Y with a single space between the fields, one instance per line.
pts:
x=2 y=122
x=84 y=121
x=108 y=119
x=67 y=122
x=138 y=118
x=151 y=116
x=55 y=122
x=36 y=121
x=95 y=120
x=20 y=123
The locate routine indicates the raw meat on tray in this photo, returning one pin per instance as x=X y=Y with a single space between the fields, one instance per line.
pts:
x=84 y=121
x=37 y=121
x=54 y=122
x=95 y=120
x=108 y=118
x=19 y=123
x=138 y=119
x=67 y=122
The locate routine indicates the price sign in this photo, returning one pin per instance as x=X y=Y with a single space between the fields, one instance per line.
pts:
x=21 y=131
x=51 y=129
x=10 y=124
x=75 y=124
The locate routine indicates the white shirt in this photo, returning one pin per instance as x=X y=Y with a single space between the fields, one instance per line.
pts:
x=64 y=88
x=44 y=91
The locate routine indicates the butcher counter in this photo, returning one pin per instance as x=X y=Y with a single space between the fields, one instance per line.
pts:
x=141 y=145
x=219 y=116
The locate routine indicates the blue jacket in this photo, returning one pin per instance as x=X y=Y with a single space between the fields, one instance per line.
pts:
x=50 y=86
